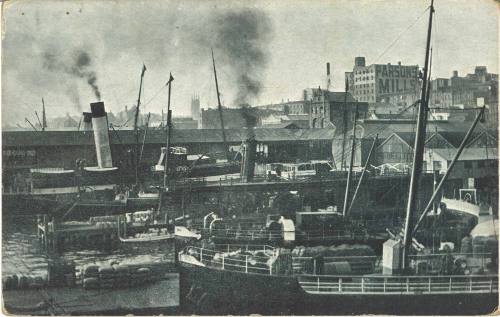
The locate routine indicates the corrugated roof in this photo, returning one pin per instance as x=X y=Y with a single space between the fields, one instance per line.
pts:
x=453 y=132
x=179 y=136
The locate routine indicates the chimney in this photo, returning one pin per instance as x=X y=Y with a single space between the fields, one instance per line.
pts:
x=359 y=61
x=455 y=73
x=87 y=121
x=328 y=77
x=101 y=135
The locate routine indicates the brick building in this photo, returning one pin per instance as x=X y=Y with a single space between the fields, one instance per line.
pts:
x=327 y=108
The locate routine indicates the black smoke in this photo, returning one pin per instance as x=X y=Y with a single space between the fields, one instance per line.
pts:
x=78 y=65
x=82 y=69
x=242 y=38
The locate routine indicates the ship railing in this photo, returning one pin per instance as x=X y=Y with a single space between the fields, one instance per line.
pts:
x=423 y=264
x=323 y=284
x=236 y=261
x=238 y=234
x=242 y=247
x=330 y=235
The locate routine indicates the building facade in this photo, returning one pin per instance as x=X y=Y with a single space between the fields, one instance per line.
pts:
x=382 y=82
x=330 y=109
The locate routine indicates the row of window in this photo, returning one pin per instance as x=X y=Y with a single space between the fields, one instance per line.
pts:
x=363 y=92
x=365 y=85
x=366 y=71
x=366 y=98
x=364 y=78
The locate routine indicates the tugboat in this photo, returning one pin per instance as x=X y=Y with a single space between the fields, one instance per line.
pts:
x=250 y=279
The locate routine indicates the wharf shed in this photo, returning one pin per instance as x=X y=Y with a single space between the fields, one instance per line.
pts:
x=37 y=149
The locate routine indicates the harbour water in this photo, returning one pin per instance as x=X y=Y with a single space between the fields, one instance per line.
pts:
x=21 y=254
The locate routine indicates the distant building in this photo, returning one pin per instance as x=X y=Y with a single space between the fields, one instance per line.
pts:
x=69 y=122
x=327 y=108
x=195 y=107
x=383 y=82
x=233 y=118
x=285 y=120
x=289 y=107
x=394 y=148
x=475 y=162
x=184 y=123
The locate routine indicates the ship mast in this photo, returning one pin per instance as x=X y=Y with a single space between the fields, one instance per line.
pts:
x=351 y=162
x=136 y=130
x=169 y=130
x=219 y=105
x=344 y=125
x=44 y=117
x=418 y=153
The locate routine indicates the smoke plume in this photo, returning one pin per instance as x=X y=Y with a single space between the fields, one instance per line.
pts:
x=242 y=38
x=79 y=65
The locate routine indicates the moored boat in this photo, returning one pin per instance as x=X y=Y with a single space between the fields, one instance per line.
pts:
x=265 y=280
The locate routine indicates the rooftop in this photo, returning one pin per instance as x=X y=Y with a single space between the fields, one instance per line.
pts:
x=155 y=136
x=468 y=154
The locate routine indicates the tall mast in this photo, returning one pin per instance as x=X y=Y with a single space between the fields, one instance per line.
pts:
x=344 y=126
x=38 y=119
x=351 y=162
x=169 y=130
x=418 y=153
x=44 y=117
x=136 y=128
x=219 y=104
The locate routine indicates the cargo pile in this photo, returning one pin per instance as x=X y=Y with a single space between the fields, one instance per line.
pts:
x=104 y=222
x=334 y=251
x=122 y=275
x=23 y=282
x=332 y=260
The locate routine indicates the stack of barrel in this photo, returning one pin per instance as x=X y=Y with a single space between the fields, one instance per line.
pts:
x=91 y=277
x=114 y=276
x=22 y=282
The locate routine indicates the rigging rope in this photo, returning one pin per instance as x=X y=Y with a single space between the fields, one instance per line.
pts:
x=399 y=36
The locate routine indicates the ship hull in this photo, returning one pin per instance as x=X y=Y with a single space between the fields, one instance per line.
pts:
x=211 y=291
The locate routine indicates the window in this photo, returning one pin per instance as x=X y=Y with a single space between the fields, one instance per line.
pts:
x=468 y=164
x=480 y=164
x=436 y=165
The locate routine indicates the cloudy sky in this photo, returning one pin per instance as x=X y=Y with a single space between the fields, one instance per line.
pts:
x=75 y=52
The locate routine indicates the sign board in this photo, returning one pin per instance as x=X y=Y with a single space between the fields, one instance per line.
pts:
x=396 y=79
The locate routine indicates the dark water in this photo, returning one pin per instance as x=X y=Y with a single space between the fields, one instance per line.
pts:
x=21 y=254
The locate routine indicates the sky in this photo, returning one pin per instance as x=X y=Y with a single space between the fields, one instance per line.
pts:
x=73 y=53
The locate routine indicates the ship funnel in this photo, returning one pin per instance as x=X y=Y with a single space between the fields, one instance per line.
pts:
x=248 y=164
x=101 y=135
x=87 y=121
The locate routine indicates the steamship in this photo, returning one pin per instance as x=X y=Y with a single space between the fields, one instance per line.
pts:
x=90 y=190
x=407 y=279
